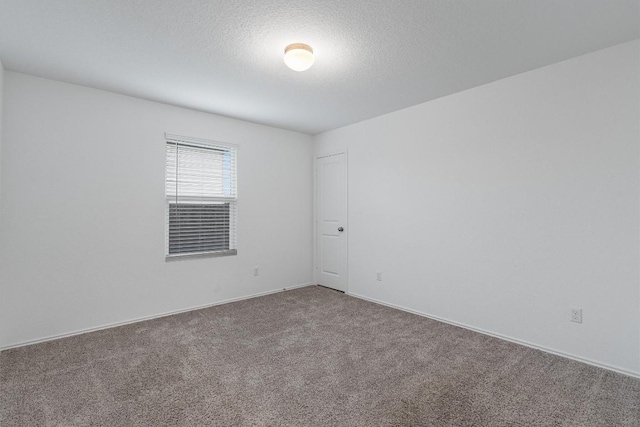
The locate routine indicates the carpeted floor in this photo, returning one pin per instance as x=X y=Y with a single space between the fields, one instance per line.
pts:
x=307 y=357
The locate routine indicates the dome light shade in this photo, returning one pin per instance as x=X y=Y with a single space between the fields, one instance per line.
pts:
x=298 y=56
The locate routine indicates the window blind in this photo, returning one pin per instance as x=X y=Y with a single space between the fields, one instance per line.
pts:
x=201 y=197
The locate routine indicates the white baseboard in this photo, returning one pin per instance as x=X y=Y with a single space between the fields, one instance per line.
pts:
x=155 y=316
x=503 y=337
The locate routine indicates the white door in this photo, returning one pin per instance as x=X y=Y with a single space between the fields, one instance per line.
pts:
x=331 y=221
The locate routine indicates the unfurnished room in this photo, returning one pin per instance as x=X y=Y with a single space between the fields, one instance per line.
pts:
x=320 y=213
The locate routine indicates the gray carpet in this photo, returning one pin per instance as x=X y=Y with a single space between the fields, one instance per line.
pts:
x=307 y=357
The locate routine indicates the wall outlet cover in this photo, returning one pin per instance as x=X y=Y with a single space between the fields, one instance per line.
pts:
x=576 y=315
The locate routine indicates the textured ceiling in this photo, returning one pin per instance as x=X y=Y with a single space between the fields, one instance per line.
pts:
x=372 y=56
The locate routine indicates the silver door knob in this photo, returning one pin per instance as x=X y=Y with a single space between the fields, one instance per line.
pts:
x=340 y=229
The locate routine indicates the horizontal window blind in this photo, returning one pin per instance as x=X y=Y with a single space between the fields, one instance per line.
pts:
x=201 y=193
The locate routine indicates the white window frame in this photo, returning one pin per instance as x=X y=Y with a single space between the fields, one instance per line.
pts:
x=231 y=199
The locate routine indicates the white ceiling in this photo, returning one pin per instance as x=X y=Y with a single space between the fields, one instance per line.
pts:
x=372 y=56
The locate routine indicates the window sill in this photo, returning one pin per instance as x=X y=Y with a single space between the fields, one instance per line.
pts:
x=215 y=254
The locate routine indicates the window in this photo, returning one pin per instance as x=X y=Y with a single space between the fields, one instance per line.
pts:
x=201 y=197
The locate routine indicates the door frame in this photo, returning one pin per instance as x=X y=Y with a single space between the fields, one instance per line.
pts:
x=316 y=157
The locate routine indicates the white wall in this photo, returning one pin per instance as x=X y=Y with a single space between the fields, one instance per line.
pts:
x=83 y=229
x=502 y=206
x=1 y=102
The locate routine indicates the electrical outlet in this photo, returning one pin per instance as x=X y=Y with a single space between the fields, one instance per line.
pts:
x=576 y=315
x=379 y=276
x=256 y=271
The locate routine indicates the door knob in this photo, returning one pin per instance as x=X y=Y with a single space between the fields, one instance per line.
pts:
x=340 y=229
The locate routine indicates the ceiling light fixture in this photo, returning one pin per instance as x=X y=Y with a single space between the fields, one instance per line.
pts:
x=298 y=56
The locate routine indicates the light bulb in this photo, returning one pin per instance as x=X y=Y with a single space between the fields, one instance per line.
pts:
x=298 y=56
